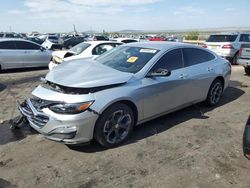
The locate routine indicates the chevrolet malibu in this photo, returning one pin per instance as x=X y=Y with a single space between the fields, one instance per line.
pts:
x=103 y=99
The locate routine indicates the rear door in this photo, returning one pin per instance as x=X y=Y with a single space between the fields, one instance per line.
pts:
x=10 y=57
x=199 y=65
x=33 y=55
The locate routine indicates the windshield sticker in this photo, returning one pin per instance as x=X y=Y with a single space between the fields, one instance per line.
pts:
x=148 y=51
x=132 y=59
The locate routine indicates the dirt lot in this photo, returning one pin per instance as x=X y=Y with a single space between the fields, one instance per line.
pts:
x=195 y=147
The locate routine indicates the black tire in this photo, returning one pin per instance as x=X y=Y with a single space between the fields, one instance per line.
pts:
x=235 y=59
x=214 y=93
x=110 y=124
x=247 y=70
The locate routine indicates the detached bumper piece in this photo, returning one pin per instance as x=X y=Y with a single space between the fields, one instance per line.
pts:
x=34 y=117
x=246 y=140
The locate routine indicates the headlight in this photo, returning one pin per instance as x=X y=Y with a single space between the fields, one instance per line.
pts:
x=57 y=60
x=70 y=108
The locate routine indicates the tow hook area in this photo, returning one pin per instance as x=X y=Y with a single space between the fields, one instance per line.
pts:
x=17 y=122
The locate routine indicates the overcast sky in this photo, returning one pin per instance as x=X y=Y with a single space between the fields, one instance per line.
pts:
x=115 y=15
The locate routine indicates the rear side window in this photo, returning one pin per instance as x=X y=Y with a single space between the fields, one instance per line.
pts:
x=7 y=45
x=21 y=45
x=193 y=56
x=222 y=38
x=244 y=38
x=171 y=61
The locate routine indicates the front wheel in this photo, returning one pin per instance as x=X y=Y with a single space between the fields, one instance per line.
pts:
x=247 y=70
x=214 y=93
x=114 y=125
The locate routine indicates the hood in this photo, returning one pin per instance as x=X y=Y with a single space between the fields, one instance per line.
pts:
x=86 y=73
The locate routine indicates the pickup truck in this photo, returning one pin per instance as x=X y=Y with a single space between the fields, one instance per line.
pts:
x=244 y=57
x=246 y=140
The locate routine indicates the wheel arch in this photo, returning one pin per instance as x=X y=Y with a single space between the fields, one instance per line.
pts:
x=221 y=78
x=125 y=101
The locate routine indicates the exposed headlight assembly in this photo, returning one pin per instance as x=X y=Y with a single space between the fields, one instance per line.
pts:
x=70 y=108
x=57 y=60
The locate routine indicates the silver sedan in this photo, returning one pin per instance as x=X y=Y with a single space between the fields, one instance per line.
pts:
x=105 y=98
x=18 y=53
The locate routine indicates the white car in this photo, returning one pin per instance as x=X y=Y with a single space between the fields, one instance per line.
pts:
x=227 y=45
x=19 y=53
x=52 y=42
x=89 y=49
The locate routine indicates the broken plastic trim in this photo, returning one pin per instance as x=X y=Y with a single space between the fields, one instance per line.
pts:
x=73 y=90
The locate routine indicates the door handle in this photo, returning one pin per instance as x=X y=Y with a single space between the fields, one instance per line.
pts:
x=209 y=69
x=183 y=76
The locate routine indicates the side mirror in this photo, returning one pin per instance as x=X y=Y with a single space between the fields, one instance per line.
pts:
x=159 y=73
x=42 y=48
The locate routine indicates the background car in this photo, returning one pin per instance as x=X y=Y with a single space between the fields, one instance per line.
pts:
x=246 y=140
x=89 y=49
x=125 y=40
x=70 y=42
x=19 y=53
x=35 y=39
x=104 y=98
x=244 y=57
x=227 y=45
x=52 y=42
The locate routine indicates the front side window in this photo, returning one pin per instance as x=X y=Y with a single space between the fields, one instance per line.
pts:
x=127 y=59
x=194 y=56
x=171 y=61
x=8 y=45
x=245 y=38
x=100 y=49
x=22 y=45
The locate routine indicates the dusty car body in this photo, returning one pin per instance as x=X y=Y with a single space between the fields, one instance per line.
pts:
x=129 y=85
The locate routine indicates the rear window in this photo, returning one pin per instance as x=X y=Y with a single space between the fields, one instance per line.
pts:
x=194 y=56
x=222 y=38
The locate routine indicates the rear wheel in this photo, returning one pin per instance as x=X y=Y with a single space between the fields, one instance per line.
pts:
x=247 y=70
x=215 y=92
x=114 y=125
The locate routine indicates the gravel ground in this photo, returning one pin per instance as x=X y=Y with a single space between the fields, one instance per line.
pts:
x=194 y=147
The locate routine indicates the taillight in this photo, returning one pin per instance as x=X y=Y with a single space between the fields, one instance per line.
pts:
x=228 y=46
x=240 y=52
x=204 y=46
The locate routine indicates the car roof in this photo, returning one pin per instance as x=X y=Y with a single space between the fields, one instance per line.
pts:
x=12 y=39
x=159 y=45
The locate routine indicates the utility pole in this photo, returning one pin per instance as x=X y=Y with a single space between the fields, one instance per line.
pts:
x=75 y=32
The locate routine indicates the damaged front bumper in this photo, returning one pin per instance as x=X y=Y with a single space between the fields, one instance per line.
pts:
x=70 y=129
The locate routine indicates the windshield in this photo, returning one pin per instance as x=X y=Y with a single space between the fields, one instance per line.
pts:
x=126 y=58
x=53 y=37
x=222 y=38
x=79 y=48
